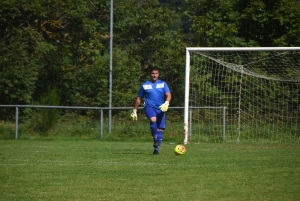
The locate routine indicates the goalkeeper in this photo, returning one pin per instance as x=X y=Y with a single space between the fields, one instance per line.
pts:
x=157 y=96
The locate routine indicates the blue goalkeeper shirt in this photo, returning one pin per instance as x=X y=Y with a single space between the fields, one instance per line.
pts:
x=153 y=93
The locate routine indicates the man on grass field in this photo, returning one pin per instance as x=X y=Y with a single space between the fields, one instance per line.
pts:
x=157 y=96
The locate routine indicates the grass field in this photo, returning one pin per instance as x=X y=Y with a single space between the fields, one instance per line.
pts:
x=100 y=170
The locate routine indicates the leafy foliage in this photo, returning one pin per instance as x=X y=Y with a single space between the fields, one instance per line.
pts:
x=65 y=44
x=43 y=120
x=243 y=23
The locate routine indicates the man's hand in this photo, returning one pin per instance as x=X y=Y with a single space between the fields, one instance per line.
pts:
x=164 y=107
x=134 y=114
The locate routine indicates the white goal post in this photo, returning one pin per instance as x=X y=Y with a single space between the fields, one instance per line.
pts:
x=259 y=86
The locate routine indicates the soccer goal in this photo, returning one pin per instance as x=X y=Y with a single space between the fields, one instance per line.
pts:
x=259 y=86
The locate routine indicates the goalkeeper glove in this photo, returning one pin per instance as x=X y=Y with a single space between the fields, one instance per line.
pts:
x=164 y=107
x=134 y=114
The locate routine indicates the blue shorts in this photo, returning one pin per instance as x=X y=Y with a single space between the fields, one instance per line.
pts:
x=160 y=116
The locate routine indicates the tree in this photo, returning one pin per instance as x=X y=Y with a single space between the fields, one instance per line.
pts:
x=43 y=41
x=243 y=23
x=22 y=48
x=144 y=31
x=64 y=45
x=271 y=23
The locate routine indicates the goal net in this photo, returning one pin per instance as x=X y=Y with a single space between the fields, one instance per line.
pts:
x=258 y=86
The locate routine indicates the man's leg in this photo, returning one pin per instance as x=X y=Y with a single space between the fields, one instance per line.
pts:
x=151 y=115
x=154 y=134
x=159 y=137
x=161 y=124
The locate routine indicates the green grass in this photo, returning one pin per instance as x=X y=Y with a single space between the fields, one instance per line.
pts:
x=106 y=170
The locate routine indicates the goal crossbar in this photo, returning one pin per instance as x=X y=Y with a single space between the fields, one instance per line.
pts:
x=242 y=48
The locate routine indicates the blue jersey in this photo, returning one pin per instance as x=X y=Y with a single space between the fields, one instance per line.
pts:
x=153 y=93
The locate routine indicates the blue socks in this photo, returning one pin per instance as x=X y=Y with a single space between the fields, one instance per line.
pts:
x=157 y=135
x=157 y=140
x=153 y=128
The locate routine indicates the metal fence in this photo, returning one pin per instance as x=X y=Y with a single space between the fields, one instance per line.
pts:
x=101 y=109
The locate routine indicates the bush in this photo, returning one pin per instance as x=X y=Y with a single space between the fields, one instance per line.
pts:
x=42 y=120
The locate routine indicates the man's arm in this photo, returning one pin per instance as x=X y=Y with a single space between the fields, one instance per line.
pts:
x=168 y=97
x=164 y=107
x=135 y=107
x=137 y=103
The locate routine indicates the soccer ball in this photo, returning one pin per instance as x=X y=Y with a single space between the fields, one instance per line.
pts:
x=180 y=150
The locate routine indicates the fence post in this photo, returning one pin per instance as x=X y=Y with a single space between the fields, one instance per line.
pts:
x=17 y=122
x=101 y=124
x=190 y=126
x=224 y=122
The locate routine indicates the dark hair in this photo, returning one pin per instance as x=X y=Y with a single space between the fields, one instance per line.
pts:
x=153 y=68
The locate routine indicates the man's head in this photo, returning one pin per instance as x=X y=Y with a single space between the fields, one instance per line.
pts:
x=154 y=73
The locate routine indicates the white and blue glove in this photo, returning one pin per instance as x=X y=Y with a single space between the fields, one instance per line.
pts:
x=134 y=114
x=164 y=107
